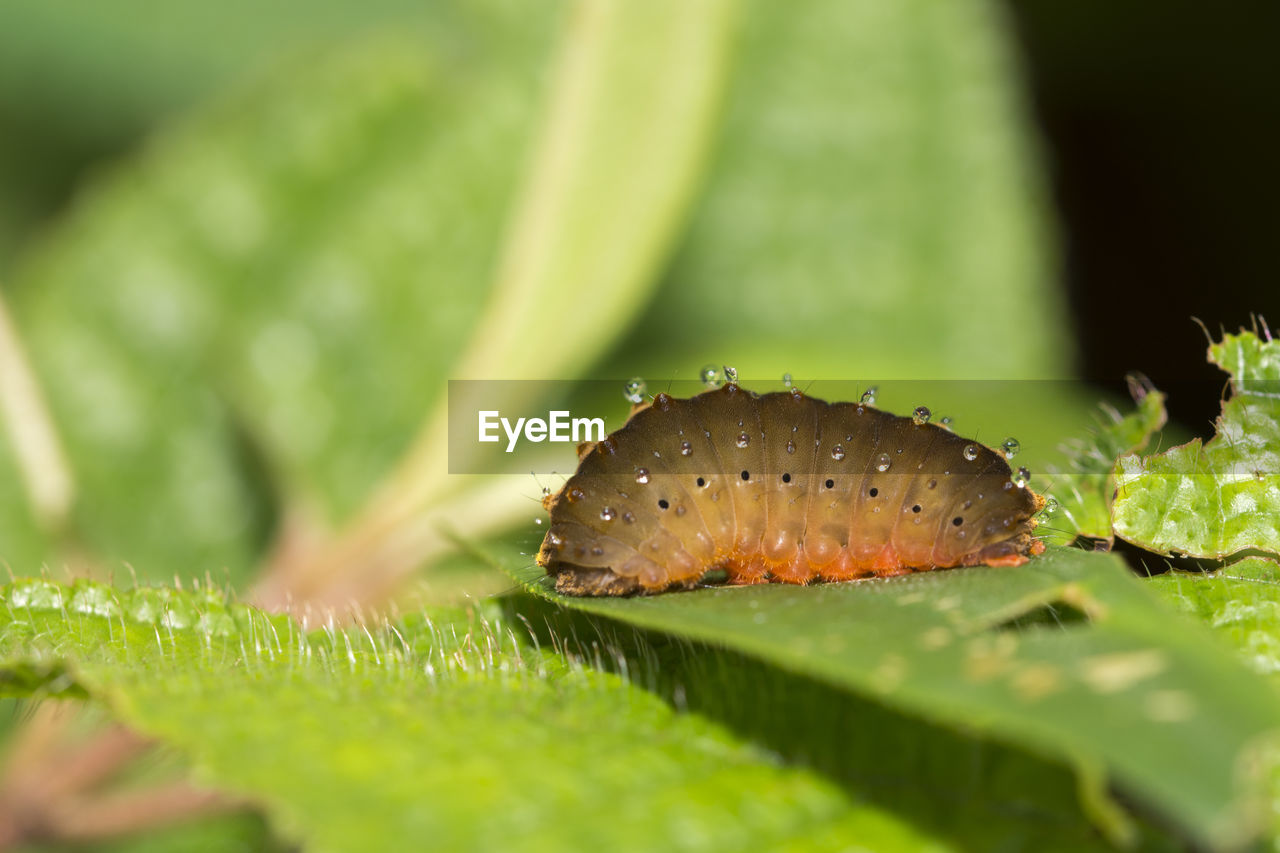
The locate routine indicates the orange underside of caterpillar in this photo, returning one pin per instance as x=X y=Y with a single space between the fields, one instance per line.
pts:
x=742 y=569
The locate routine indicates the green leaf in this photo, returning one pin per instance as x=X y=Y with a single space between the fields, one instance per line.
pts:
x=440 y=730
x=1120 y=692
x=243 y=317
x=1242 y=605
x=615 y=168
x=1084 y=491
x=1221 y=498
x=874 y=210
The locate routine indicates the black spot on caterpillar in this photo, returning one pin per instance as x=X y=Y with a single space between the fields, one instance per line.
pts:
x=781 y=487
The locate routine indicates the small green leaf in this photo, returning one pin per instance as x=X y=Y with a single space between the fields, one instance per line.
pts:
x=1221 y=498
x=440 y=730
x=1084 y=491
x=1120 y=691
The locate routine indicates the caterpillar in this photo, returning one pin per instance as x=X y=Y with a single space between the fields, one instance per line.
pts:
x=780 y=487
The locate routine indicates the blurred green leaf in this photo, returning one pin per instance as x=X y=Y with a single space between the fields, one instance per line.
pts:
x=256 y=313
x=1084 y=490
x=988 y=650
x=1221 y=498
x=440 y=729
x=24 y=544
x=875 y=208
x=81 y=84
x=619 y=156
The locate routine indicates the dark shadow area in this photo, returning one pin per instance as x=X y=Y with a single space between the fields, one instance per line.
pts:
x=1053 y=615
x=949 y=783
x=1160 y=124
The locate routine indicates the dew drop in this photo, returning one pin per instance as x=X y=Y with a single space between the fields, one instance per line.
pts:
x=869 y=396
x=945 y=422
x=546 y=492
x=686 y=449
x=1050 y=505
x=575 y=495
x=555 y=540
x=633 y=390
x=538 y=521
x=921 y=415
x=607 y=514
x=970 y=452
x=629 y=517
x=642 y=475
x=710 y=376
x=883 y=462
x=1010 y=446
x=743 y=439
x=786 y=380
x=791 y=447
x=1021 y=477
x=932 y=484
x=837 y=452
x=730 y=373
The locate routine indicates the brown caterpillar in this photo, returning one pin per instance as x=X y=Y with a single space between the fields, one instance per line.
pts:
x=780 y=487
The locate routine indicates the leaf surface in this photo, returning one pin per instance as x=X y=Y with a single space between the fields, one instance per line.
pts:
x=1223 y=497
x=438 y=730
x=1124 y=689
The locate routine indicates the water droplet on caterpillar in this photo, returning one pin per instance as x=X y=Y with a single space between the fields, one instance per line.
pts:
x=883 y=462
x=743 y=439
x=837 y=453
x=1021 y=477
x=945 y=422
x=633 y=390
x=869 y=396
x=1010 y=446
x=546 y=492
x=730 y=373
x=791 y=447
x=921 y=415
x=710 y=376
x=786 y=379
x=970 y=452
x=1050 y=505
x=642 y=475
x=686 y=449
x=607 y=514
